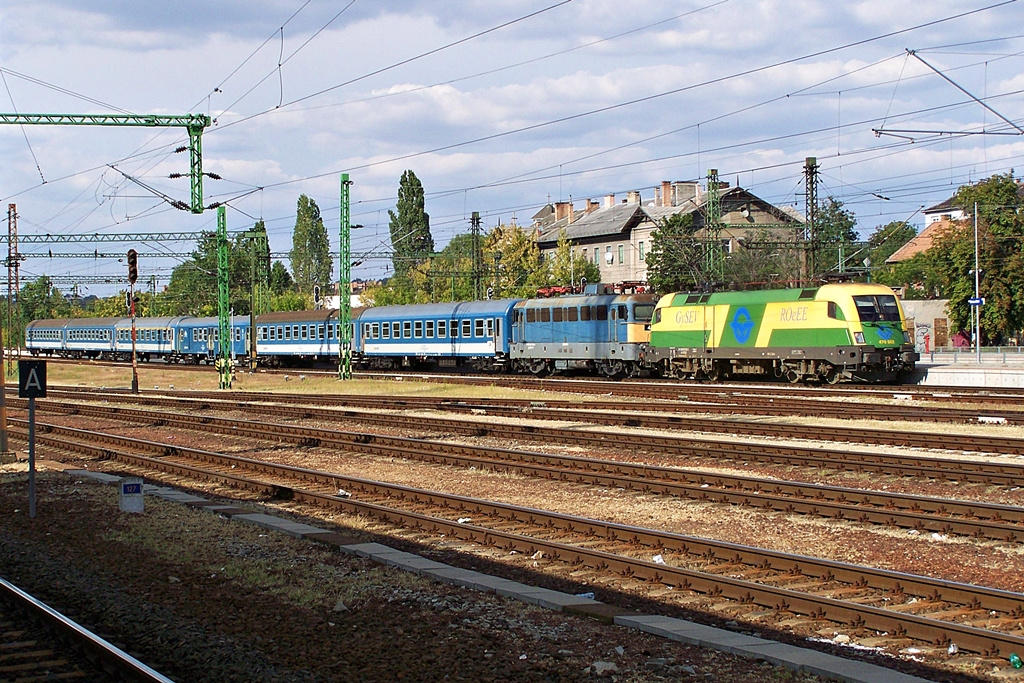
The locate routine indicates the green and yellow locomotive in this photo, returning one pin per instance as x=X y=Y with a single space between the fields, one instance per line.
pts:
x=837 y=332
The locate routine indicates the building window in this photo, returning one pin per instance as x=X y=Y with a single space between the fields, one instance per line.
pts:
x=622 y=253
x=597 y=256
x=640 y=248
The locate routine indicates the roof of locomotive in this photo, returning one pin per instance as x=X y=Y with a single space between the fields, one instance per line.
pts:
x=825 y=292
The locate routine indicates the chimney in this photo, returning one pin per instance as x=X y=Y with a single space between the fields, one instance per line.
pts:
x=682 y=192
x=592 y=205
x=666 y=193
x=634 y=197
x=561 y=210
x=572 y=211
x=609 y=200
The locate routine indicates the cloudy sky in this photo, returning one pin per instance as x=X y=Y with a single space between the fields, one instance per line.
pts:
x=497 y=106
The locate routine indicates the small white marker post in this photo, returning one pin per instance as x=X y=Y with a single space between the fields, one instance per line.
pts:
x=31 y=384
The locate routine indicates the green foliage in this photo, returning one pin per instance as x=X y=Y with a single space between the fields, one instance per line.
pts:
x=39 y=299
x=887 y=239
x=834 y=231
x=193 y=286
x=290 y=300
x=762 y=262
x=411 y=241
x=513 y=257
x=310 y=254
x=452 y=271
x=569 y=267
x=675 y=262
x=1001 y=258
x=280 y=280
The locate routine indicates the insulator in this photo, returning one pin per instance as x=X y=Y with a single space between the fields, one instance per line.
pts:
x=213 y=175
x=175 y=175
x=178 y=204
x=179 y=150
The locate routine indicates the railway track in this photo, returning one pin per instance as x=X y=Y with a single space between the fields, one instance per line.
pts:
x=922 y=513
x=654 y=388
x=767 y=585
x=298 y=406
x=40 y=644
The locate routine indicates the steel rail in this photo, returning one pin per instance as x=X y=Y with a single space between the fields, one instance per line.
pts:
x=95 y=648
x=946 y=469
x=976 y=600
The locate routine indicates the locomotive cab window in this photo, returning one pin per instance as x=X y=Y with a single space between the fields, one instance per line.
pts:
x=545 y=315
x=642 y=313
x=556 y=315
x=584 y=312
x=872 y=309
x=601 y=312
x=572 y=314
x=531 y=315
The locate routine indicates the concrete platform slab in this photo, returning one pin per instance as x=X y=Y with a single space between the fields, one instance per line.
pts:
x=466 y=578
x=824 y=664
x=294 y=529
x=366 y=549
x=101 y=477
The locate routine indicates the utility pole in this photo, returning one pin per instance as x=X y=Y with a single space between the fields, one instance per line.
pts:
x=194 y=123
x=477 y=256
x=714 y=259
x=223 y=300
x=13 y=285
x=810 y=238
x=345 y=283
x=259 y=277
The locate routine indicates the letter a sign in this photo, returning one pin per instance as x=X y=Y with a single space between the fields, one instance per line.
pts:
x=31 y=379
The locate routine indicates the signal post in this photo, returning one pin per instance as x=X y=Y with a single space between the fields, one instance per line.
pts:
x=133 y=275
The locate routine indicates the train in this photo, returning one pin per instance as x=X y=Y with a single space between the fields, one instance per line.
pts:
x=833 y=333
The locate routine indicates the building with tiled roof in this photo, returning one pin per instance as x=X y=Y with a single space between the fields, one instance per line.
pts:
x=617 y=235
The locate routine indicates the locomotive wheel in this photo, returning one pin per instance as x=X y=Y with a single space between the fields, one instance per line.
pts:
x=612 y=369
x=830 y=375
x=538 y=368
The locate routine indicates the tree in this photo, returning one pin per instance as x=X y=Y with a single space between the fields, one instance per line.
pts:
x=311 y=248
x=762 y=262
x=834 y=231
x=40 y=299
x=193 y=286
x=676 y=258
x=569 y=267
x=280 y=279
x=1000 y=255
x=887 y=239
x=411 y=241
x=516 y=267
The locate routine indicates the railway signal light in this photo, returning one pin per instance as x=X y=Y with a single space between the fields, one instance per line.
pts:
x=133 y=266
x=316 y=294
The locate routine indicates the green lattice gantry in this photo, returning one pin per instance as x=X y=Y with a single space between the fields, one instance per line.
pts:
x=194 y=123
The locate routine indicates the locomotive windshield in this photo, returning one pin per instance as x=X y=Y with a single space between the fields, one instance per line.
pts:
x=881 y=308
x=643 y=313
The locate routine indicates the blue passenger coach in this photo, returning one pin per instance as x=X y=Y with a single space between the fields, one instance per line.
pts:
x=473 y=333
x=291 y=336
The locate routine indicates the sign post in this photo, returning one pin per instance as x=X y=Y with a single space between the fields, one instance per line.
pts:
x=31 y=384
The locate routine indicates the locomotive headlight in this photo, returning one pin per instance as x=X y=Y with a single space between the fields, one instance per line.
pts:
x=858 y=337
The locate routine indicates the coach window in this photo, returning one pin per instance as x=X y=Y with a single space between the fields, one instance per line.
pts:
x=374 y=331
x=417 y=329
x=556 y=315
x=467 y=329
x=453 y=326
x=287 y=331
x=442 y=329
x=385 y=331
x=622 y=253
x=572 y=314
x=295 y=331
x=238 y=334
x=366 y=330
x=497 y=328
x=478 y=327
x=489 y=322
x=305 y=332
x=430 y=329
x=396 y=330
x=545 y=315
x=407 y=329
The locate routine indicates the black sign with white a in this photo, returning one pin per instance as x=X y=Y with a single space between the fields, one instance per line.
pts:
x=31 y=379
